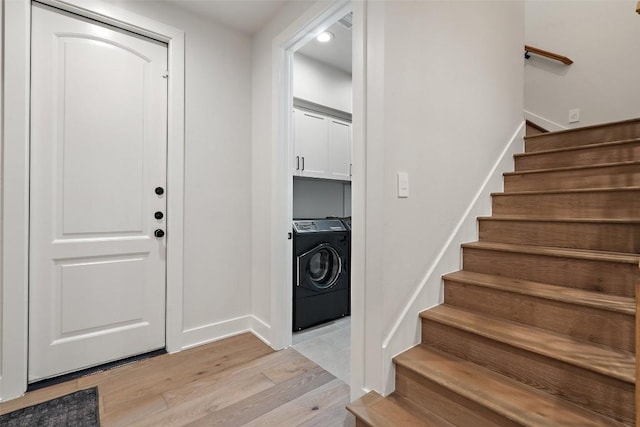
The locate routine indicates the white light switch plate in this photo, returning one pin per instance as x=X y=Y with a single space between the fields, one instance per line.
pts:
x=403 y=184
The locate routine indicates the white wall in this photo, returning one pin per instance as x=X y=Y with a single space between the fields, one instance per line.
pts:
x=321 y=83
x=217 y=173
x=601 y=37
x=320 y=198
x=445 y=98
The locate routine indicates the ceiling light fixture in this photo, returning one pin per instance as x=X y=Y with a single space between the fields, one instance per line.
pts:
x=325 y=37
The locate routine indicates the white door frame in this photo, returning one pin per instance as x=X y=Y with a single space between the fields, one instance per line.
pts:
x=15 y=176
x=282 y=250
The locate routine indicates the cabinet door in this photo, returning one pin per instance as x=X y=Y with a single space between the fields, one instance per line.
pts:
x=312 y=142
x=295 y=115
x=339 y=150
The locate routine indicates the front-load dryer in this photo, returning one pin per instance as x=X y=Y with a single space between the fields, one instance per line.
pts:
x=320 y=272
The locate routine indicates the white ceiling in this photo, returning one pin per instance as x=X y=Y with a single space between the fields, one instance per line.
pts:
x=336 y=53
x=248 y=16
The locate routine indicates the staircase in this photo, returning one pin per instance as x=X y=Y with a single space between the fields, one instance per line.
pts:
x=538 y=327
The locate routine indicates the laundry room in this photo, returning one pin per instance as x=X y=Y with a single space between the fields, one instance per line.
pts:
x=322 y=90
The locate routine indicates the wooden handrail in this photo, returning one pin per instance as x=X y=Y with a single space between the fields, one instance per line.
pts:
x=531 y=49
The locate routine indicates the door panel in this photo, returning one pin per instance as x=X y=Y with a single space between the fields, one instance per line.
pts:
x=91 y=147
x=340 y=149
x=98 y=150
x=312 y=135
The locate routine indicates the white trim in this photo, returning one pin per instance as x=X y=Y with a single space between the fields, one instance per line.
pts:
x=15 y=193
x=311 y=23
x=406 y=330
x=358 y=199
x=200 y=335
x=15 y=183
x=542 y=122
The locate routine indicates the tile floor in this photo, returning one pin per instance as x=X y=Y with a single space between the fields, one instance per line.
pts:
x=328 y=345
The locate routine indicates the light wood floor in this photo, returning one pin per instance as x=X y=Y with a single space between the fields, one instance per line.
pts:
x=238 y=381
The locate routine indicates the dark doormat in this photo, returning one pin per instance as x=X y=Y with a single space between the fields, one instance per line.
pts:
x=78 y=409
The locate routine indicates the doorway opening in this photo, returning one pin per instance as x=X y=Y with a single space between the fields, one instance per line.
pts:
x=319 y=144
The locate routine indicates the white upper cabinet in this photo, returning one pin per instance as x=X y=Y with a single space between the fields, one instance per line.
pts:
x=339 y=149
x=322 y=146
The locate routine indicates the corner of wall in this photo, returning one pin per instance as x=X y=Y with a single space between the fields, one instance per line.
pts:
x=406 y=331
x=261 y=330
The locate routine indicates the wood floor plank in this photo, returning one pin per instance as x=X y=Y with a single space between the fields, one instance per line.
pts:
x=230 y=382
x=287 y=360
x=133 y=411
x=306 y=407
x=215 y=399
x=39 y=396
x=154 y=379
x=336 y=415
x=259 y=404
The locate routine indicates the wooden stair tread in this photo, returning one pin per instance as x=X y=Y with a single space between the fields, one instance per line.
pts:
x=586 y=128
x=572 y=191
x=584 y=254
x=600 y=300
x=598 y=358
x=577 y=147
x=542 y=219
x=573 y=168
x=503 y=395
x=376 y=411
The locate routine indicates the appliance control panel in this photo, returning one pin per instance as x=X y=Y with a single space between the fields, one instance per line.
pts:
x=317 y=225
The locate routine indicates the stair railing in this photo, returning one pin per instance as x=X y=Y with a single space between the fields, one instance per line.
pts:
x=530 y=49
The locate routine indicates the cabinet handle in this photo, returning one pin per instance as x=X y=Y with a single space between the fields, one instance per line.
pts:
x=315 y=117
x=350 y=169
x=297 y=163
x=303 y=163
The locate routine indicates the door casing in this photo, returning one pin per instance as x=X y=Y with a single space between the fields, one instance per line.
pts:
x=15 y=179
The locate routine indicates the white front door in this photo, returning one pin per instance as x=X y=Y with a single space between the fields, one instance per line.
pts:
x=98 y=152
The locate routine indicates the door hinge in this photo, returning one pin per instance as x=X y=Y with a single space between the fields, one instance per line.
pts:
x=289 y=236
x=165 y=74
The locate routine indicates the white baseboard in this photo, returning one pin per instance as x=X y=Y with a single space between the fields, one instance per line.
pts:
x=542 y=122
x=215 y=331
x=406 y=331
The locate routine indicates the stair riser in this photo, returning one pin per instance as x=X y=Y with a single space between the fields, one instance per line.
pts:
x=445 y=403
x=602 y=177
x=597 y=392
x=610 y=277
x=587 y=205
x=575 y=235
x=587 y=323
x=614 y=132
x=589 y=156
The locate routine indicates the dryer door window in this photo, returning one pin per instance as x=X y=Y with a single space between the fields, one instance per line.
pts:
x=321 y=267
